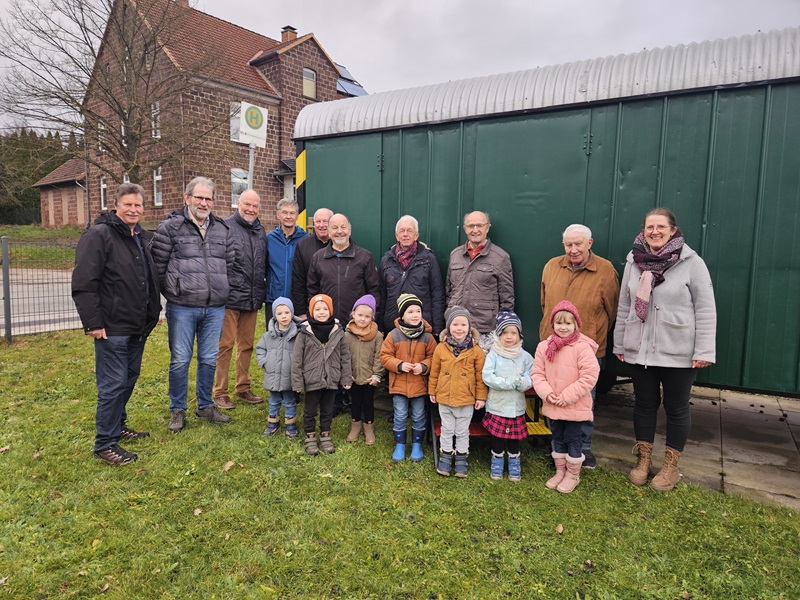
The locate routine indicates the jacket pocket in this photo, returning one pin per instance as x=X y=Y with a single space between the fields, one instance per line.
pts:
x=632 y=339
x=676 y=339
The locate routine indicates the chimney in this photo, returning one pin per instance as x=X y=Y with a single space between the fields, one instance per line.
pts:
x=182 y=3
x=288 y=34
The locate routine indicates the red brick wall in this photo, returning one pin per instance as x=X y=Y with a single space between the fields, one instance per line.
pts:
x=62 y=204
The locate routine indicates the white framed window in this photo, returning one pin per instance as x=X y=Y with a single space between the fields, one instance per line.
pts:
x=126 y=178
x=103 y=194
x=155 y=120
x=122 y=133
x=101 y=138
x=236 y=108
x=158 y=194
x=309 y=83
x=239 y=184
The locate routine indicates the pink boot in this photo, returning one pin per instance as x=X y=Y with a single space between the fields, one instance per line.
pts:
x=561 y=469
x=572 y=478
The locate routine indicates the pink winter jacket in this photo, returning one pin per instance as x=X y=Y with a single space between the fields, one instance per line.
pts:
x=571 y=376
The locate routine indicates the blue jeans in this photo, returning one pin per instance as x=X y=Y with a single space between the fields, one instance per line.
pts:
x=287 y=399
x=184 y=323
x=117 y=362
x=567 y=436
x=401 y=412
x=587 y=427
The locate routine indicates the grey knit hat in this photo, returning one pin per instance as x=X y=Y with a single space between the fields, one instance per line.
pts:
x=457 y=311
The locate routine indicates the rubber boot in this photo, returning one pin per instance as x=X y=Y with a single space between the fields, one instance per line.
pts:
x=514 y=467
x=416 y=444
x=369 y=434
x=498 y=463
x=355 y=431
x=445 y=463
x=573 y=475
x=560 y=459
x=461 y=464
x=291 y=428
x=641 y=471
x=399 y=453
x=669 y=474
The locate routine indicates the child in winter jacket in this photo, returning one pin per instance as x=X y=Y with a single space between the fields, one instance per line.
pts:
x=507 y=373
x=320 y=364
x=564 y=372
x=274 y=355
x=364 y=341
x=456 y=385
x=406 y=353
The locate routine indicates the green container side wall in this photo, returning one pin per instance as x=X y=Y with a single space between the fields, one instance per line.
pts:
x=727 y=162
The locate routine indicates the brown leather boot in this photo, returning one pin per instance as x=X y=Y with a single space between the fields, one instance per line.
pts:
x=641 y=471
x=669 y=474
x=369 y=434
x=355 y=431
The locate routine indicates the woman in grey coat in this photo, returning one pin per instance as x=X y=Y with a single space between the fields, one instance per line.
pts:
x=665 y=330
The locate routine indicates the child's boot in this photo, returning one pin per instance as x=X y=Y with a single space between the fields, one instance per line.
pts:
x=355 y=431
x=291 y=428
x=399 y=454
x=498 y=462
x=445 y=463
x=572 y=477
x=416 y=444
x=514 y=467
x=273 y=424
x=461 y=464
x=310 y=443
x=560 y=459
x=369 y=434
x=326 y=443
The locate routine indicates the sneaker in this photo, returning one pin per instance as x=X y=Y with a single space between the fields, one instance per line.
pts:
x=177 y=420
x=116 y=455
x=126 y=433
x=590 y=462
x=212 y=414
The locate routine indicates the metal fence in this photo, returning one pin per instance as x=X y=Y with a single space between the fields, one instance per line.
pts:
x=37 y=287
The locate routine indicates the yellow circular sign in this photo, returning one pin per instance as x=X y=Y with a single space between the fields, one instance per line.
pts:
x=254 y=117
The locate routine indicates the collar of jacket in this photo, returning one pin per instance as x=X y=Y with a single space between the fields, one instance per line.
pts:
x=421 y=247
x=255 y=226
x=484 y=252
x=278 y=233
x=349 y=252
x=591 y=264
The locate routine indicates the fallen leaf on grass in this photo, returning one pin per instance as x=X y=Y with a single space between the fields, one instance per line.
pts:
x=685 y=595
x=560 y=528
x=35 y=455
x=227 y=536
x=326 y=475
x=227 y=466
x=197 y=512
x=3 y=580
x=5 y=449
x=104 y=589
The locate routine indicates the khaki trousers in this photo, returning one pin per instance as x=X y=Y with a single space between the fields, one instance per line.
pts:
x=239 y=328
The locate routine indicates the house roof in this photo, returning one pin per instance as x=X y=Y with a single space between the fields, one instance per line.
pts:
x=72 y=170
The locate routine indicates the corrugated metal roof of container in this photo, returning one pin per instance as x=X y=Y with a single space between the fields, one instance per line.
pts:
x=733 y=61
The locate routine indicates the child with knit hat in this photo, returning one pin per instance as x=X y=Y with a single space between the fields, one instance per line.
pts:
x=564 y=372
x=507 y=373
x=406 y=353
x=274 y=355
x=320 y=364
x=364 y=341
x=456 y=385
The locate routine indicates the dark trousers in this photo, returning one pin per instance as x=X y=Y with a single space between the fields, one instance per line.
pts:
x=499 y=445
x=677 y=388
x=117 y=362
x=322 y=401
x=362 y=407
x=567 y=437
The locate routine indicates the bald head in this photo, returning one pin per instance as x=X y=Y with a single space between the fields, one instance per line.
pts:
x=339 y=228
x=248 y=205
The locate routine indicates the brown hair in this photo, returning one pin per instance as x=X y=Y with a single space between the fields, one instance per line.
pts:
x=661 y=211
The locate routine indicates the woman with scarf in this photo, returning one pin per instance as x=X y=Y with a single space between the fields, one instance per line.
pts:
x=665 y=330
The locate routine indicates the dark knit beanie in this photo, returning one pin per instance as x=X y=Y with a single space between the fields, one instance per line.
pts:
x=457 y=311
x=505 y=318
x=405 y=301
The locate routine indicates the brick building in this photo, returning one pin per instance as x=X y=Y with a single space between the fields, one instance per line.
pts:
x=63 y=194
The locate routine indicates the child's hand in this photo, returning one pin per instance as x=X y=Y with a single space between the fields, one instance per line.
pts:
x=374 y=381
x=433 y=398
x=417 y=370
x=479 y=404
x=406 y=367
x=347 y=387
x=298 y=391
x=551 y=398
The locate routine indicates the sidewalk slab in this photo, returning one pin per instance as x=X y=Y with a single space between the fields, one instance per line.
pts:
x=760 y=482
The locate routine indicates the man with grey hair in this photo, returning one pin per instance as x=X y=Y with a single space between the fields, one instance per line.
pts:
x=410 y=267
x=195 y=256
x=281 y=245
x=591 y=283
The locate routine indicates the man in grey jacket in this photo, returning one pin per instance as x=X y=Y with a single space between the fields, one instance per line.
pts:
x=195 y=256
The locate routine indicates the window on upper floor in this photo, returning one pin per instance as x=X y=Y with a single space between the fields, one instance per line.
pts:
x=236 y=108
x=103 y=194
x=310 y=83
x=101 y=138
x=239 y=184
x=158 y=194
x=126 y=178
x=155 y=120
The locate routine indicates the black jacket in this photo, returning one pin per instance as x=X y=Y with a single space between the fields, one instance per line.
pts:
x=251 y=256
x=305 y=251
x=109 y=286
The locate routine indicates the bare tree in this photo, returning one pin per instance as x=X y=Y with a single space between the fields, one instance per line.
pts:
x=104 y=69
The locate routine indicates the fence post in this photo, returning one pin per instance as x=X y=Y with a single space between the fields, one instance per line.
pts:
x=6 y=289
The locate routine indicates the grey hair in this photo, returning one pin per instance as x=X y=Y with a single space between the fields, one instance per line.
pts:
x=287 y=202
x=128 y=188
x=485 y=214
x=579 y=229
x=407 y=218
x=204 y=181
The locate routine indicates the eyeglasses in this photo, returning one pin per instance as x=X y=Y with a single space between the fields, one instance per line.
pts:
x=203 y=199
x=475 y=225
x=659 y=228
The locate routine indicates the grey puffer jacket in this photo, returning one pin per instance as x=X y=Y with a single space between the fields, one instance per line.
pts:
x=274 y=355
x=194 y=270
x=318 y=366
x=251 y=256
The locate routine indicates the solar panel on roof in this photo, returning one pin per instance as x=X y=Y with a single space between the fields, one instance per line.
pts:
x=349 y=87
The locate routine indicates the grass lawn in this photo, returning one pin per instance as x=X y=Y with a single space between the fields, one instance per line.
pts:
x=224 y=512
x=37 y=233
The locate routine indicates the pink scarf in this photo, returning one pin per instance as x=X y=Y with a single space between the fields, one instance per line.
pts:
x=555 y=343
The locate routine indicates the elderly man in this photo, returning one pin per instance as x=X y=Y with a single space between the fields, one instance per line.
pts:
x=115 y=289
x=591 y=283
x=195 y=255
x=306 y=248
x=244 y=302
x=281 y=246
x=410 y=267
x=479 y=276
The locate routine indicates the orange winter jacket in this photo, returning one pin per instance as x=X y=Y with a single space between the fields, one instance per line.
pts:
x=457 y=380
x=397 y=348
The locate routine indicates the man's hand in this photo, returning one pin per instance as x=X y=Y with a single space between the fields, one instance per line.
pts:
x=98 y=334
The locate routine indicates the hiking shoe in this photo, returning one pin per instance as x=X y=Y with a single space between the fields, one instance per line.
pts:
x=212 y=414
x=177 y=420
x=116 y=455
x=224 y=402
x=590 y=462
x=126 y=433
x=249 y=397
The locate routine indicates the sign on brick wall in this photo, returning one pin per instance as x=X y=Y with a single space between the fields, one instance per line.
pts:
x=252 y=125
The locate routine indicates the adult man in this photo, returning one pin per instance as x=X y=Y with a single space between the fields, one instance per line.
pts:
x=244 y=302
x=115 y=289
x=281 y=246
x=196 y=260
x=306 y=248
x=479 y=276
x=591 y=283
x=410 y=267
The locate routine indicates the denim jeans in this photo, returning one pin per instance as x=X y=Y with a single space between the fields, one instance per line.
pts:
x=587 y=427
x=118 y=361
x=184 y=323
x=567 y=437
x=287 y=399
x=401 y=412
